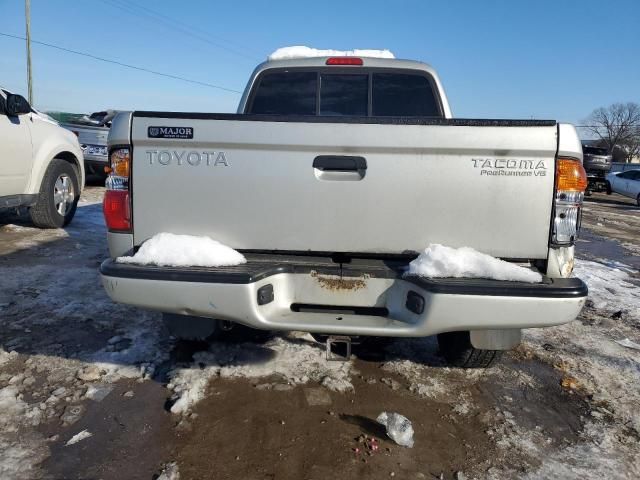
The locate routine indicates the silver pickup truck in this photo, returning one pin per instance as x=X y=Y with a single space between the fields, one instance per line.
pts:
x=332 y=176
x=92 y=132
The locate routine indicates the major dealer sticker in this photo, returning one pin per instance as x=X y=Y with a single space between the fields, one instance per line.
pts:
x=170 y=132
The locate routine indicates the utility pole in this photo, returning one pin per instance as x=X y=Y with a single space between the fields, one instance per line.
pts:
x=27 y=14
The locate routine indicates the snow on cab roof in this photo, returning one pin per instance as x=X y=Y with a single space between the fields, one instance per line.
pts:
x=299 y=51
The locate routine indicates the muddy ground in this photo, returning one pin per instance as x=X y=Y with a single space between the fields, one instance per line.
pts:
x=562 y=405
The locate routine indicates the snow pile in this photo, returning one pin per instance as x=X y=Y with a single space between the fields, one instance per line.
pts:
x=465 y=262
x=296 y=359
x=171 y=250
x=299 y=51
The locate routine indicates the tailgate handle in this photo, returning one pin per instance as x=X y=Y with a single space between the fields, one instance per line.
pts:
x=339 y=163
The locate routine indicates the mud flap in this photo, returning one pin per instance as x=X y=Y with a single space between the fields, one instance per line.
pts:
x=503 y=339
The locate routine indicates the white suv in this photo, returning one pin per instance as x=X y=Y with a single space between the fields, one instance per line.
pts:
x=41 y=164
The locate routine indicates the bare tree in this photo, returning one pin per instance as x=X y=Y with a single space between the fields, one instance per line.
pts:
x=632 y=145
x=617 y=126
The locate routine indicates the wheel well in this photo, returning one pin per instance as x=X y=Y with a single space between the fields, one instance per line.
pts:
x=71 y=158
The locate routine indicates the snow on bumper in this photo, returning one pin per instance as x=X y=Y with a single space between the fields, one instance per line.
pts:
x=382 y=303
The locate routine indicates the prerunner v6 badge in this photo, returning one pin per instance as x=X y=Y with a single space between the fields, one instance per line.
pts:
x=170 y=132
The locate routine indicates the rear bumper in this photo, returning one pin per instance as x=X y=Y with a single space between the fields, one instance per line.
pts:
x=371 y=297
x=597 y=168
x=96 y=159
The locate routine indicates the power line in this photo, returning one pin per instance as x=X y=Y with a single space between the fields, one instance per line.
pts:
x=171 y=21
x=122 y=64
x=175 y=24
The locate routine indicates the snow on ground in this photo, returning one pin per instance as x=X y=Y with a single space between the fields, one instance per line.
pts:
x=57 y=323
x=37 y=237
x=170 y=472
x=603 y=370
x=299 y=51
x=465 y=262
x=170 y=250
x=74 y=343
x=585 y=350
x=294 y=359
x=20 y=452
x=78 y=437
x=610 y=286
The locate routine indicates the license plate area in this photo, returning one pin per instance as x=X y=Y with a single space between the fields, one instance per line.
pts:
x=94 y=150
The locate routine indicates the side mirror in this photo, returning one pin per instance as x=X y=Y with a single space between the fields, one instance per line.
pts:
x=16 y=105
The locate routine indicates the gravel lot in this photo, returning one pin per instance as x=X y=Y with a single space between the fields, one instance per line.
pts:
x=90 y=389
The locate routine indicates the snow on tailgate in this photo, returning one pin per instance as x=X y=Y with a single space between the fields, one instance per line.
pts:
x=170 y=250
x=440 y=261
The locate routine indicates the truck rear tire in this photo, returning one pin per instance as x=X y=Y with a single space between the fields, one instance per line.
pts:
x=457 y=350
x=58 y=197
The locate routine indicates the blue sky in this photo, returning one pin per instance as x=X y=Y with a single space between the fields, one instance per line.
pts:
x=517 y=59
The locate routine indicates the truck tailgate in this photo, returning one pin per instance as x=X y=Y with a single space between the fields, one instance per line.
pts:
x=367 y=185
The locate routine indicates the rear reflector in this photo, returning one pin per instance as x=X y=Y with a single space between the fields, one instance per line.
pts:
x=115 y=207
x=571 y=175
x=344 y=61
x=571 y=182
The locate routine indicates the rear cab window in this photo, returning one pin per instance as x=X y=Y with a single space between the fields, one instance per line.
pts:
x=345 y=92
x=286 y=93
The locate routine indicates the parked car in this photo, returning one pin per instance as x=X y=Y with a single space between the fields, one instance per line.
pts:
x=626 y=183
x=92 y=132
x=41 y=164
x=597 y=163
x=333 y=175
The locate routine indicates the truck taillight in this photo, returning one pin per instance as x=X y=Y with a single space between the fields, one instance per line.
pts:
x=344 y=61
x=117 y=211
x=571 y=182
x=120 y=160
x=116 y=205
x=571 y=176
